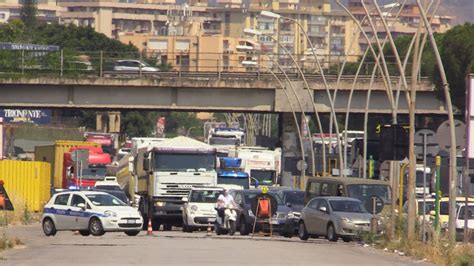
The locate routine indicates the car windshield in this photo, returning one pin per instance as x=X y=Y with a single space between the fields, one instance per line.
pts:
x=108 y=187
x=429 y=207
x=184 y=161
x=364 y=192
x=294 y=197
x=205 y=196
x=264 y=177
x=470 y=212
x=105 y=200
x=347 y=206
x=223 y=141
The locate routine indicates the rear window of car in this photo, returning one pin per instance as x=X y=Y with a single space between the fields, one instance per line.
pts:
x=61 y=199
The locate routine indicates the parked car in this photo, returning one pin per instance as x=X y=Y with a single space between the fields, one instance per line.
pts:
x=246 y=217
x=294 y=200
x=333 y=217
x=199 y=208
x=444 y=209
x=460 y=217
x=430 y=206
x=89 y=212
x=133 y=66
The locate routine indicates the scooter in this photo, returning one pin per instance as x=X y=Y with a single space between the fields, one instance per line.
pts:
x=226 y=225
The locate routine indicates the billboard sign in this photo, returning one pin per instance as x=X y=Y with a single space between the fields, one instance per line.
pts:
x=34 y=116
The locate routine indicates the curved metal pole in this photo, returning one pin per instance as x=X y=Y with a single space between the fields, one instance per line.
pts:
x=452 y=149
x=349 y=102
x=318 y=120
x=300 y=136
x=326 y=86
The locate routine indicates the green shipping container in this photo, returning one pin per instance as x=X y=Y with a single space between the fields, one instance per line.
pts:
x=54 y=154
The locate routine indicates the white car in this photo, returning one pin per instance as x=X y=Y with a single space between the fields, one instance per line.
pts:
x=89 y=212
x=133 y=66
x=460 y=216
x=199 y=208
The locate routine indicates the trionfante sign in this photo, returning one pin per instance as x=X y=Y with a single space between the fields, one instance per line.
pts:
x=34 y=116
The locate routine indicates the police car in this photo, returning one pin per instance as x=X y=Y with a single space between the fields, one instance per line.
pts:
x=89 y=212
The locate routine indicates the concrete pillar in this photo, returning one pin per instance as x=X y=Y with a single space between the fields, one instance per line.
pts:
x=108 y=122
x=291 y=153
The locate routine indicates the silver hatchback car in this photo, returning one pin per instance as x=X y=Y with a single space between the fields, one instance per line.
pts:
x=333 y=217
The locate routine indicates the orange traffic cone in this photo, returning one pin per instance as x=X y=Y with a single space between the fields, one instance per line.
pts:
x=209 y=230
x=150 y=228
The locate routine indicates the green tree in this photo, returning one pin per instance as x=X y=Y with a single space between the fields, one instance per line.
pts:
x=28 y=13
x=136 y=124
x=457 y=53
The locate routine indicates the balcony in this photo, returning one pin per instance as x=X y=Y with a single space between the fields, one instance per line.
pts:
x=317 y=34
x=317 y=22
x=211 y=31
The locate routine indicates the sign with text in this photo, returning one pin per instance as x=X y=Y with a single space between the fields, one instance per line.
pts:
x=34 y=116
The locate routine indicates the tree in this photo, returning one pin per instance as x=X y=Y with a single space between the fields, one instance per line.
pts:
x=28 y=13
x=136 y=124
x=457 y=53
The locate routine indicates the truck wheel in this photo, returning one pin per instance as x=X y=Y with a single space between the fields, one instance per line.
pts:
x=49 y=228
x=95 y=227
x=167 y=227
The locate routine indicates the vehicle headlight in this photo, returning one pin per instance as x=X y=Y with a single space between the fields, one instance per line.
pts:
x=251 y=213
x=194 y=208
x=291 y=215
x=110 y=214
x=346 y=220
x=160 y=204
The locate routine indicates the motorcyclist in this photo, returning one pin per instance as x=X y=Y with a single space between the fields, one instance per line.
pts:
x=223 y=201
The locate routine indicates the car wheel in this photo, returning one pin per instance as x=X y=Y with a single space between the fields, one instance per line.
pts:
x=331 y=233
x=49 y=228
x=302 y=233
x=244 y=229
x=132 y=233
x=95 y=227
x=167 y=227
x=187 y=228
x=84 y=232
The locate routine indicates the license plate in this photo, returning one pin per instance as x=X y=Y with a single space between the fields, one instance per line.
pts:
x=131 y=221
x=211 y=220
x=275 y=222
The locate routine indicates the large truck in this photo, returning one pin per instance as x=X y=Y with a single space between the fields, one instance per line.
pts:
x=108 y=141
x=54 y=154
x=75 y=175
x=225 y=139
x=166 y=171
x=262 y=164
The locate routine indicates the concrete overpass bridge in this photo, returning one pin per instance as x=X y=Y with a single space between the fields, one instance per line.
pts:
x=204 y=91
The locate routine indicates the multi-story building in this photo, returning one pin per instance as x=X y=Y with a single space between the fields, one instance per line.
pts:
x=46 y=12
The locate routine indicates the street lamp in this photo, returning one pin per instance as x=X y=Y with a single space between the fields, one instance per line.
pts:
x=269 y=14
x=253 y=32
x=298 y=129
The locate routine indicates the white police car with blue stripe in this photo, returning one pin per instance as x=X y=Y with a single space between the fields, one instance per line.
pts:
x=89 y=212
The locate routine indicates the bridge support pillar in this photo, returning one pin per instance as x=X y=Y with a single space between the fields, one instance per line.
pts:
x=291 y=152
x=108 y=122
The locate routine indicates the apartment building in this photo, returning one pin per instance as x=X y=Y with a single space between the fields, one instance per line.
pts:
x=47 y=11
x=405 y=24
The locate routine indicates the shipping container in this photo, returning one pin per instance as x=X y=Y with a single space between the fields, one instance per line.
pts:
x=54 y=154
x=26 y=182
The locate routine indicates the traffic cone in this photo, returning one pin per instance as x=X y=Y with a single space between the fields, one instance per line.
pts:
x=209 y=230
x=150 y=228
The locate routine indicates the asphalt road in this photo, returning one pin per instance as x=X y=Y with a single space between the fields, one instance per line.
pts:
x=177 y=248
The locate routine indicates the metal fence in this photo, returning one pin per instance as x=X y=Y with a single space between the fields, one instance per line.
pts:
x=66 y=63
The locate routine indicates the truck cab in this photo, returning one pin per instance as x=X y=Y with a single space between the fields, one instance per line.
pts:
x=87 y=176
x=224 y=139
x=173 y=167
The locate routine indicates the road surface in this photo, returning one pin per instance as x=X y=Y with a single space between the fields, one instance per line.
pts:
x=177 y=248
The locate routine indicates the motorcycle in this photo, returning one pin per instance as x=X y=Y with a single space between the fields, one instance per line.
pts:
x=226 y=224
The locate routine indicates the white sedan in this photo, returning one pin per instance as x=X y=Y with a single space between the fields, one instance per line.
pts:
x=89 y=212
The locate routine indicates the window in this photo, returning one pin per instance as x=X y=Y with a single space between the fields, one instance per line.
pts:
x=314 y=204
x=323 y=203
x=61 y=199
x=314 y=189
x=76 y=199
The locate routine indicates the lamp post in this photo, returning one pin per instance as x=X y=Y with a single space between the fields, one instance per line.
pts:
x=283 y=87
x=272 y=15
x=318 y=120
